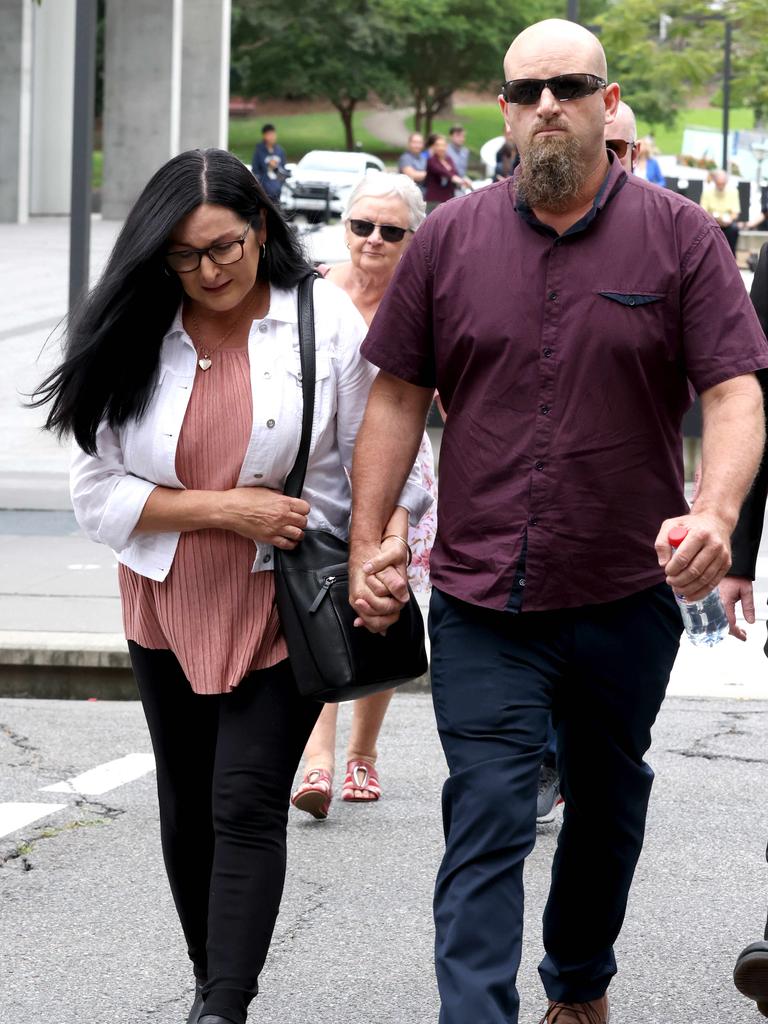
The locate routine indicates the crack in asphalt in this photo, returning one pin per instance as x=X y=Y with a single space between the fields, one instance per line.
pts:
x=20 y=743
x=104 y=814
x=313 y=902
x=700 y=747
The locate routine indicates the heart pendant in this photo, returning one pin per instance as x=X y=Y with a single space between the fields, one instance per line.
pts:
x=204 y=363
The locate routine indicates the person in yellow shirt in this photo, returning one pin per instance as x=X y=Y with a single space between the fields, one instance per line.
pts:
x=722 y=201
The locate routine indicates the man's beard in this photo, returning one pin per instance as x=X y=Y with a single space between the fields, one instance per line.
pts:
x=551 y=173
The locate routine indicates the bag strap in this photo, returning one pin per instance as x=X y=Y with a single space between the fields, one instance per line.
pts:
x=295 y=482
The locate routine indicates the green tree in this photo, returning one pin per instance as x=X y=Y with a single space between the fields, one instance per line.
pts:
x=335 y=49
x=447 y=45
x=661 y=52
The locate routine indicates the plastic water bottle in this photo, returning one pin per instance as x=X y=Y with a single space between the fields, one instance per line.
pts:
x=705 y=621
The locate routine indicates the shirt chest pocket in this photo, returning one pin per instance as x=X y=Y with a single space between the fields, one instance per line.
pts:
x=325 y=399
x=637 y=319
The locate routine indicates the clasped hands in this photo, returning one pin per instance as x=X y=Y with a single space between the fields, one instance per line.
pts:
x=378 y=583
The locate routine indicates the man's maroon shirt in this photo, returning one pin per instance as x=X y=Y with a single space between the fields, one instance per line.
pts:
x=563 y=364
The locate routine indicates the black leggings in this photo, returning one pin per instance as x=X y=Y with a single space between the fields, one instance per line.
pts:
x=225 y=764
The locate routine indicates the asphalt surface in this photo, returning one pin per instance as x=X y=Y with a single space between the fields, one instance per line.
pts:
x=88 y=934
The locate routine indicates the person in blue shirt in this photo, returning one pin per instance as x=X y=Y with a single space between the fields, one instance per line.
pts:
x=646 y=165
x=269 y=163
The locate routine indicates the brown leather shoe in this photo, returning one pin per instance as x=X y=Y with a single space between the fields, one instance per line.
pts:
x=595 y=1012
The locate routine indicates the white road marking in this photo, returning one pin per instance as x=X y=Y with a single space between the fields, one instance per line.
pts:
x=105 y=777
x=16 y=816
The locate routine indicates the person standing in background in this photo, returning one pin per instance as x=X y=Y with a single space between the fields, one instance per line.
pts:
x=646 y=164
x=442 y=177
x=721 y=201
x=457 y=151
x=269 y=163
x=413 y=162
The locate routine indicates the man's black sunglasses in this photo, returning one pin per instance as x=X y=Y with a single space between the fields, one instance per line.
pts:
x=390 y=233
x=527 y=91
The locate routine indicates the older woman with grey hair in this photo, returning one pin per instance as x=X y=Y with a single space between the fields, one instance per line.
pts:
x=381 y=217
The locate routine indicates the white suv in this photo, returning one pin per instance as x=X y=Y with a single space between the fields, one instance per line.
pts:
x=323 y=180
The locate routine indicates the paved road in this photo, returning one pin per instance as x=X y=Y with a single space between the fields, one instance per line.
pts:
x=88 y=934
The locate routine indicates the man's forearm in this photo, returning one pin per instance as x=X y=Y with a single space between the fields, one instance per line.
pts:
x=732 y=446
x=385 y=450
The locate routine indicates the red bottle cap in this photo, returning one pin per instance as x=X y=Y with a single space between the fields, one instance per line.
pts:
x=677 y=535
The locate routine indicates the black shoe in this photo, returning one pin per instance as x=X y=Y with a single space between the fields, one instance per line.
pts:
x=750 y=975
x=213 y=1018
x=197 y=1005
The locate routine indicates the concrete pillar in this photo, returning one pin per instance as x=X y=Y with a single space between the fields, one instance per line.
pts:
x=142 y=96
x=205 y=74
x=15 y=108
x=53 y=77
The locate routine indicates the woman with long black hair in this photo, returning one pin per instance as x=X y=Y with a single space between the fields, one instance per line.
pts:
x=181 y=384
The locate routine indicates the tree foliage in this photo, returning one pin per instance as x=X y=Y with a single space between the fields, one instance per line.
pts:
x=420 y=51
x=337 y=50
x=445 y=45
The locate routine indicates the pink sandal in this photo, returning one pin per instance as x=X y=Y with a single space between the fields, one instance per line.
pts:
x=361 y=776
x=315 y=793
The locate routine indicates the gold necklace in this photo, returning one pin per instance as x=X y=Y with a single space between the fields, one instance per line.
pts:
x=206 y=351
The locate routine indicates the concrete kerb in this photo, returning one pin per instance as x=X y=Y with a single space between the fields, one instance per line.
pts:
x=79 y=666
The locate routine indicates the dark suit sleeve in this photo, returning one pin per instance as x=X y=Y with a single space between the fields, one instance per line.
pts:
x=746 y=537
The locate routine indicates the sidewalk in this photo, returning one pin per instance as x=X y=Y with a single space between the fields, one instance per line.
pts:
x=60 y=617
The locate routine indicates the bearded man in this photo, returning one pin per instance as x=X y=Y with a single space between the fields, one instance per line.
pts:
x=560 y=313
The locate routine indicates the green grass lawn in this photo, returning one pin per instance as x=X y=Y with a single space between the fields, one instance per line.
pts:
x=298 y=133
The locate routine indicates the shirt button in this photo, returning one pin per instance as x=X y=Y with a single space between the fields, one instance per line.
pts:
x=267 y=375
x=521 y=581
x=258 y=476
x=533 y=521
x=263 y=328
x=270 y=423
x=631 y=302
x=544 y=409
x=267 y=558
x=547 y=352
x=552 y=296
x=539 y=466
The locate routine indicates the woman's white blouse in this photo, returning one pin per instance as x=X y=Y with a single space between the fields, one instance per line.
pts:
x=109 y=490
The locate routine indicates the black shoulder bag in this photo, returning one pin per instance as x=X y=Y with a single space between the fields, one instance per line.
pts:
x=332 y=659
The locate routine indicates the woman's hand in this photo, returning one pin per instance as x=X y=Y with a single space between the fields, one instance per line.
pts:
x=378 y=583
x=264 y=515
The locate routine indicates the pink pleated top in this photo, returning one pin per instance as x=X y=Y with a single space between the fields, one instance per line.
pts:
x=218 y=617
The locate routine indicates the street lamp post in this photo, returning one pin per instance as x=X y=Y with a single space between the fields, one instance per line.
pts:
x=726 y=89
x=573 y=10
x=82 y=149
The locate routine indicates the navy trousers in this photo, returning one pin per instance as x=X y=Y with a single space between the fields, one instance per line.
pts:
x=601 y=671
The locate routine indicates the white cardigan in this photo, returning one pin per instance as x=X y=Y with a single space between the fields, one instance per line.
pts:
x=109 y=490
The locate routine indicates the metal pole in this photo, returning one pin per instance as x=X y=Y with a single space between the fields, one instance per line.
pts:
x=726 y=90
x=573 y=10
x=82 y=149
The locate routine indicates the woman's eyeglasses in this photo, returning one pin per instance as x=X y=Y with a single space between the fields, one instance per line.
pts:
x=389 y=233
x=619 y=146
x=183 y=261
x=527 y=91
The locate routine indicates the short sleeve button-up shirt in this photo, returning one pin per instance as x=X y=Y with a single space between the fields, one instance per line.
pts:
x=564 y=365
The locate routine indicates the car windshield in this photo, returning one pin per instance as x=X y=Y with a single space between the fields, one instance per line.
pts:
x=349 y=163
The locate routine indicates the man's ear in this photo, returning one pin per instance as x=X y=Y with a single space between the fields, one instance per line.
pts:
x=611 y=98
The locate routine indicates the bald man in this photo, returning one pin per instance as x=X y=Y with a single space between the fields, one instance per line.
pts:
x=560 y=313
x=621 y=136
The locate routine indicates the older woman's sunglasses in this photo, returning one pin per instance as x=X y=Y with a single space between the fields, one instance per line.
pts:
x=527 y=91
x=390 y=233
